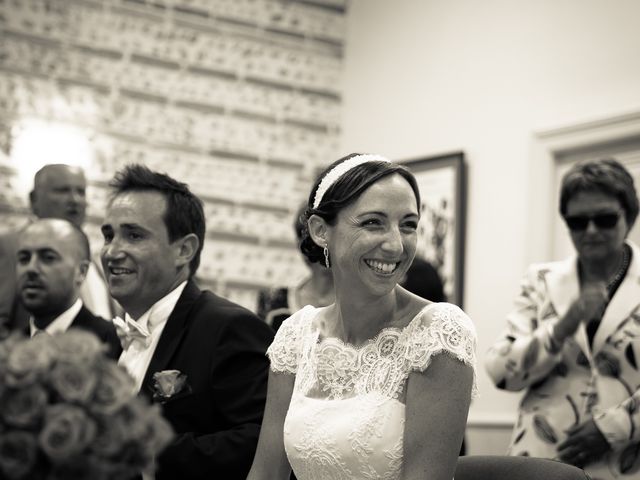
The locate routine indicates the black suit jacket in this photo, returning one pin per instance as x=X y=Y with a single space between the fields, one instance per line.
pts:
x=104 y=330
x=220 y=347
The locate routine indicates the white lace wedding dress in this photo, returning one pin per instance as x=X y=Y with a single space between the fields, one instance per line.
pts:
x=346 y=417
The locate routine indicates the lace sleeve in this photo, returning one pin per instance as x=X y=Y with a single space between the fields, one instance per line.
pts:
x=443 y=328
x=285 y=350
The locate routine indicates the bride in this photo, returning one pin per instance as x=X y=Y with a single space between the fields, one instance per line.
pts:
x=378 y=384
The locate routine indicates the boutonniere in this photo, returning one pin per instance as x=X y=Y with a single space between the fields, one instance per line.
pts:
x=168 y=384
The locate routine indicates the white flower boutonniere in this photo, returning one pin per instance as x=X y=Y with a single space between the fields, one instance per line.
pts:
x=169 y=383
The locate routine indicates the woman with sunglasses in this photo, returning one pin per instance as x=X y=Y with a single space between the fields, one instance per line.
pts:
x=573 y=340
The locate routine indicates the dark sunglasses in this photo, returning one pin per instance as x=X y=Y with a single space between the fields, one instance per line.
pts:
x=603 y=221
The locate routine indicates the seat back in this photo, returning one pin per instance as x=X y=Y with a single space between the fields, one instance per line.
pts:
x=498 y=467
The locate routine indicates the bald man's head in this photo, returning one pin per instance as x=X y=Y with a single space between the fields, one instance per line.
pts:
x=52 y=262
x=59 y=191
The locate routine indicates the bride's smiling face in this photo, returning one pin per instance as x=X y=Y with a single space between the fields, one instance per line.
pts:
x=373 y=241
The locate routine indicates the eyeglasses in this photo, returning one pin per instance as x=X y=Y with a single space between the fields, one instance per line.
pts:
x=603 y=221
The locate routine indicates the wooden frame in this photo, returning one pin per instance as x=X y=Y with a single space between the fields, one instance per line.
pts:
x=442 y=183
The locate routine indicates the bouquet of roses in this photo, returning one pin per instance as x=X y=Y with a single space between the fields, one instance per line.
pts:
x=69 y=412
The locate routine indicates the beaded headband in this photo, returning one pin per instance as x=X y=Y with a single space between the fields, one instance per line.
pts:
x=339 y=170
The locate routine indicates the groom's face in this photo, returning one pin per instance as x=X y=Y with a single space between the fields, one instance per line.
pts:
x=138 y=259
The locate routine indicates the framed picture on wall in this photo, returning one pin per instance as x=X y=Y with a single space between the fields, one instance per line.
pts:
x=442 y=184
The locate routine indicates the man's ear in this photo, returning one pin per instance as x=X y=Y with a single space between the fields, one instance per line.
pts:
x=187 y=247
x=318 y=230
x=83 y=268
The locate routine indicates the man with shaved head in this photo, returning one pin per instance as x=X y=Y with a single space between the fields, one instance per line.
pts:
x=52 y=263
x=59 y=191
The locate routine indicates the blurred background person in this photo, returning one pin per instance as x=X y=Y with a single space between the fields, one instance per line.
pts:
x=59 y=191
x=316 y=289
x=52 y=263
x=573 y=339
x=423 y=279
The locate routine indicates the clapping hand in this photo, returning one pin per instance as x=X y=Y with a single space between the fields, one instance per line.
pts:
x=593 y=300
x=585 y=444
x=590 y=305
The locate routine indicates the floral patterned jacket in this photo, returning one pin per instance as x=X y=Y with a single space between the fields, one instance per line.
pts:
x=566 y=386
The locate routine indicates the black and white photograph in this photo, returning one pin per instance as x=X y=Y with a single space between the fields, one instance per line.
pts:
x=319 y=239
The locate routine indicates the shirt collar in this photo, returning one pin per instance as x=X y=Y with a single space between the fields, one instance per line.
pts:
x=59 y=324
x=159 y=311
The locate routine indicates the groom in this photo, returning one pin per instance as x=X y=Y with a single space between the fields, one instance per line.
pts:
x=211 y=352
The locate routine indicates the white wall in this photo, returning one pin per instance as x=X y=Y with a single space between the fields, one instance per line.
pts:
x=424 y=77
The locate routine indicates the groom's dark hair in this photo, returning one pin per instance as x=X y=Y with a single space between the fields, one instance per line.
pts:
x=185 y=212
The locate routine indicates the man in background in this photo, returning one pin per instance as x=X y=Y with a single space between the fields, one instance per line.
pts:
x=52 y=263
x=200 y=355
x=59 y=191
x=423 y=279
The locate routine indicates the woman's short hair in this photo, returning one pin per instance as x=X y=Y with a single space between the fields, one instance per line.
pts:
x=607 y=176
x=346 y=190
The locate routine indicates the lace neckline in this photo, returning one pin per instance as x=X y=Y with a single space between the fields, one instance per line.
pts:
x=370 y=341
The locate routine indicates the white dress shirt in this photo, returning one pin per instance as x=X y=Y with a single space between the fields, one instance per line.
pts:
x=59 y=324
x=137 y=356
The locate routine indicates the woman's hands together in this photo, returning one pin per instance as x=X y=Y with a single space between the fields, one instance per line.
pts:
x=590 y=305
x=585 y=444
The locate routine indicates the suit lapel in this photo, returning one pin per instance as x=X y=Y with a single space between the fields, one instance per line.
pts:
x=26 y=330
x=623 y=303
x=174 y=330
x=83 y=318
x=564 y=288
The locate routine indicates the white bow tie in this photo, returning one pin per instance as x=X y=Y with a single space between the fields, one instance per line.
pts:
x=129 y=331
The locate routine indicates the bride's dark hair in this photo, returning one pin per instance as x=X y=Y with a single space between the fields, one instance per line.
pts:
x=342 y=193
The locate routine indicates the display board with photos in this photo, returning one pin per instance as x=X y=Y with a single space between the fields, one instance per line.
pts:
x=238 y=98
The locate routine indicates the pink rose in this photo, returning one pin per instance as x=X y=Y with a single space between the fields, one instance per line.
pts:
x=159 y=430
x=74 y=382
x=133 y=415
x=67 y=431
x=168 y=383
x=24 y=407
x=114 y=388
x=111 y=437
x=138 y=455
x=29 y=360
x=18 y=451
x=133 y=436
x=78 y=345
x=6 y=345
x=132 y=460
x=146 y=425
